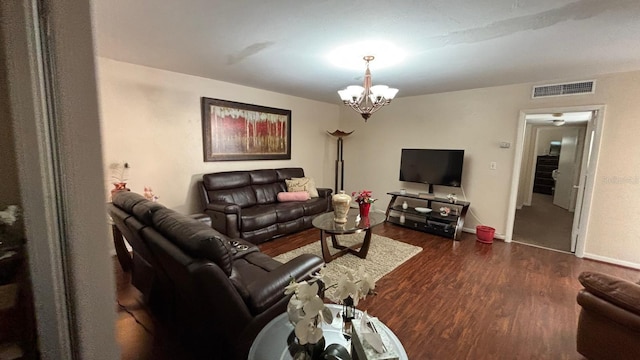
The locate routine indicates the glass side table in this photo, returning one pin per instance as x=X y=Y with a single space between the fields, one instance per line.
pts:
x=276 y=340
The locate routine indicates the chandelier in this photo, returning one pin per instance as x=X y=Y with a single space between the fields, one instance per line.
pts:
x=367 y=99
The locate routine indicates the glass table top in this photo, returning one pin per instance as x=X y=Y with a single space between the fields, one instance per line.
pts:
x=274 y=342
x=353 y=225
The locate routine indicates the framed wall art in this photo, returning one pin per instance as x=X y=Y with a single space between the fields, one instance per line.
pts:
x=236 y=131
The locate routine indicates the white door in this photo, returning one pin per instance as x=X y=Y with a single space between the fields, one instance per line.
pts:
x=584 y=173
x=566 y=169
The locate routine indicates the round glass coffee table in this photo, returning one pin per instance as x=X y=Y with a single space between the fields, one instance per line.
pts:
x=276 y=341
x=354 y=225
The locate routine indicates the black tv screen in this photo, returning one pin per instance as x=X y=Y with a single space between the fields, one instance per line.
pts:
x=432 y=166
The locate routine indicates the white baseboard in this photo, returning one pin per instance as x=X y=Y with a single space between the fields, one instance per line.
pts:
x=609 y=260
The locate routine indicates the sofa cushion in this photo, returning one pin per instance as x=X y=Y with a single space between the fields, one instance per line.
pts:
x=268 y=193
x=193 y=237
x=144 y=210
x=302 y=184
x=243 y=196
x=314 y=206
x=288 y=211
x=288 y=173
x=293 y=196
x=258 y=216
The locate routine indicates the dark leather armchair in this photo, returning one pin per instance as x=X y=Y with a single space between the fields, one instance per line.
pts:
x=609 y=323
x=215 y=292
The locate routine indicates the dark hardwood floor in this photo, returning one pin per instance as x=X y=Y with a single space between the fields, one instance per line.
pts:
x=454 y=300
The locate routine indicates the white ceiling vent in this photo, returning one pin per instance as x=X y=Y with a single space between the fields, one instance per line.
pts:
x=573 y=88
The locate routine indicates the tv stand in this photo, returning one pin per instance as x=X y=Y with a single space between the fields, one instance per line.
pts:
x=432 y=222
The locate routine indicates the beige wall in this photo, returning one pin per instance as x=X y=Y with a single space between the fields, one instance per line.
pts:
x=477 y=120
x=151 y=118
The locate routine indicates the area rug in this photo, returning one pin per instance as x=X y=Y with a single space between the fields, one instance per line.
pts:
x=384 y=255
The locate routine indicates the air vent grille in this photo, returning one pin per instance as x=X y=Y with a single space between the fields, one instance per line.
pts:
x=573 y=88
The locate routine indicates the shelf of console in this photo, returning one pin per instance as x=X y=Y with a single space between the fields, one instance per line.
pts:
x=433 y=222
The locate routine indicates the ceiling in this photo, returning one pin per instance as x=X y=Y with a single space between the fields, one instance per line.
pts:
x=283 y=45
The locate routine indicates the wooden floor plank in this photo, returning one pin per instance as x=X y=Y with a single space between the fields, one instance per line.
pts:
x=454 y=300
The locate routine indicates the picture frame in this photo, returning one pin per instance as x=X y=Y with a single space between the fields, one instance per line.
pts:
x=234 y=131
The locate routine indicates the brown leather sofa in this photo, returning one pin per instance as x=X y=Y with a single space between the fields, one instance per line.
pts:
x=243 y=204
x=216 y=293
x=609 y=323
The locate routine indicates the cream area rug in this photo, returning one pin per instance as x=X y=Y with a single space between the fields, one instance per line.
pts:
x=384 y=255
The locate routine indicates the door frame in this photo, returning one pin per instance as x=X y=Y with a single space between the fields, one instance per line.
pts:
x=587 y=172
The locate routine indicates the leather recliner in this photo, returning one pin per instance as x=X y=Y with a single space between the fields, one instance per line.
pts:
x=244 y=204
x=609 y=322
x=216 y=293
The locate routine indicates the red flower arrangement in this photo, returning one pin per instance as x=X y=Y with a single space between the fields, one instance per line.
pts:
x=364 y=197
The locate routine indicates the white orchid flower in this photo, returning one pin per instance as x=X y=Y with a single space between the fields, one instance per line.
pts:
x=346 y=287
x=313 y=307
x=320 y=275
x=291 y=288
x=307 y=332
x=307 y=291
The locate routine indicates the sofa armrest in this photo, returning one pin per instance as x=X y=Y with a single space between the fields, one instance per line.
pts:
x=224 y=207
x=269 y=289
x=324 y=192
x=606 y=310
x=617 y=291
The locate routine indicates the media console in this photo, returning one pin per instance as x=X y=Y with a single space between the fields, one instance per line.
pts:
x=432 y=222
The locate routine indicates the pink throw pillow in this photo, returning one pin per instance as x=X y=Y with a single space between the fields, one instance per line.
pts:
x=293 y=196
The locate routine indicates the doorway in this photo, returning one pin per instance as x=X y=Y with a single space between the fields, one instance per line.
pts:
x=551 y=188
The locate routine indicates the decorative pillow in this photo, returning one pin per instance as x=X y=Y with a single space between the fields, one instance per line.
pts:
x=302 y=184
x=293 y=196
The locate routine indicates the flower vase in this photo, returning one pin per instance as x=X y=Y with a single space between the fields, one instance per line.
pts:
x=311 y=351
x=340 y=202
x=364 y=209
x=118 y=187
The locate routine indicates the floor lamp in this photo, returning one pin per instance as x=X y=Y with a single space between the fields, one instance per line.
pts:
x=339 y=161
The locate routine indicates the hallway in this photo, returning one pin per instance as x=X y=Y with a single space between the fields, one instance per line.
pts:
x=543 y=224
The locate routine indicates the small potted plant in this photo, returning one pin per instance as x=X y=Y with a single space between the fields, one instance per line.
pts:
x=364 y=200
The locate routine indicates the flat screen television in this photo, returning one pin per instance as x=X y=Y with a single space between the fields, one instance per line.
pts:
x=432 y=166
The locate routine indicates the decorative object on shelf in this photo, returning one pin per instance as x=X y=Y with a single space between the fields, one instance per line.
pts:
x=423 y=210
x=149 y=195
x=339 y=161
x=119 y=176
x=452 y=198
x=402 y=218
x=367 y=99
x=364 y=200
x=444 y=211
x=238 y=131
x=341 y=203
x=403 y=191
x=405 y=206
x=306 y=309
x=348 y=309
x=119 y=172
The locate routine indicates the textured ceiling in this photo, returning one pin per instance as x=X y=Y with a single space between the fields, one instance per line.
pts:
x=450 y=45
